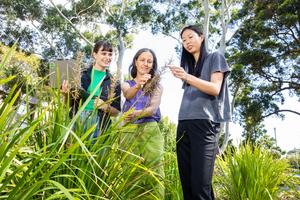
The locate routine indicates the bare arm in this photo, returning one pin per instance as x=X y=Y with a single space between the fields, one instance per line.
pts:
x=211 y=87
x=113 y=112
x=154 y=103
x=149 y=110
x=130 y=92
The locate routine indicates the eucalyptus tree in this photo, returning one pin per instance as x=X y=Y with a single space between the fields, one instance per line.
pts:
x=122 y=18
x=38 y=29
x=264 y=54
x=13 y=14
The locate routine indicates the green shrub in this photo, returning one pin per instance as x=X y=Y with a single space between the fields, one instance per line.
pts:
x=42 y=156
x=250 y=173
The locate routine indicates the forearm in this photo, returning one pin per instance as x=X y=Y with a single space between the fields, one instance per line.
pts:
x=109 y=109
x=204 y=86
x=154 y=103
x=211 y=87
x=131 y=92
x=146 y=112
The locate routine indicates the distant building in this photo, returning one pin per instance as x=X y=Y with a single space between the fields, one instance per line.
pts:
x=293 y=153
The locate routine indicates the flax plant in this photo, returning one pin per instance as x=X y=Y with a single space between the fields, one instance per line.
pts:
x=46 y=154
x=250 y=173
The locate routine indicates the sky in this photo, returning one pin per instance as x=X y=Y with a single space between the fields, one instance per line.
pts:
x=287 y=130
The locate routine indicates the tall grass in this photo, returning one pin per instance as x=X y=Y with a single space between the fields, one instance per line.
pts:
x=250 y=173
x=44 y=154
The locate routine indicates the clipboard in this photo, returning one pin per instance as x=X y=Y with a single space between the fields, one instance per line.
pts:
x=60 y=70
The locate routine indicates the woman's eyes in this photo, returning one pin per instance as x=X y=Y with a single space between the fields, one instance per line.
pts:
x=106 y=54
x=190 y=37
x=148 y=61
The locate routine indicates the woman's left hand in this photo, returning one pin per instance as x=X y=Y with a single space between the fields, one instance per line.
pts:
x=100 y=104
x=178 y=72
x=133 y=115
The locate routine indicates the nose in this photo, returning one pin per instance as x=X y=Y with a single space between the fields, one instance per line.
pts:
x=187 y=42
x=145 y=62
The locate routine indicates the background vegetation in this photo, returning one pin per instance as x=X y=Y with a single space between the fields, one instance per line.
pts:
x=41 y=157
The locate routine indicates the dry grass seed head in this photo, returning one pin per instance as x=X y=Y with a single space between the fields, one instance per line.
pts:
x=153 y=83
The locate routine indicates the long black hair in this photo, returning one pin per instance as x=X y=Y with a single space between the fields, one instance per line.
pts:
x=132 y=67
x=188 y=61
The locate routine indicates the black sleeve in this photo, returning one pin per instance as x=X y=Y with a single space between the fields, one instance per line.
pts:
x=117 y=99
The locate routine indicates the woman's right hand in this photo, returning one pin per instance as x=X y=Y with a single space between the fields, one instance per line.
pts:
x=64 y=87
x=143 y=79
x=178 y=72
x=133 y=115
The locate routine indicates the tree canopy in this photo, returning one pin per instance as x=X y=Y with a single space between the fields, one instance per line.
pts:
x=264 y=55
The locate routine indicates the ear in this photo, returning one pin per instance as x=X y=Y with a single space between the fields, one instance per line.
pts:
x=202 y=37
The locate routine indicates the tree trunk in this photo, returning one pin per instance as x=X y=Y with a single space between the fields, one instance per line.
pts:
x=224 y=27
x=121 y=51
x=206 y=22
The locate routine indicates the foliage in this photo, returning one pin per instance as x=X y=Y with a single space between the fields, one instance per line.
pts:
x=20 y=65
x=265 y=61
x=58 y=31
x=293 y=157
x=270 y=144
x=42 y=157
x=169 y=131
x=291 y=187
x=46 y=155
x=250 y=173
x=172 y=180
x=28 y=62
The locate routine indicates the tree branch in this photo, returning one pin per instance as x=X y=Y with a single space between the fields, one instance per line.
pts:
x=72 y=25
x=46 y=39
x=278 y=111
x=83 y=10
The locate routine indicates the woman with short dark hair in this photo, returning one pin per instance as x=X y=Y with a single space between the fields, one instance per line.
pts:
x=100 y=107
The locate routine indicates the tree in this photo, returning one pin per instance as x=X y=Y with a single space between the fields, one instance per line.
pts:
x=11 y=14
x=22 y=66
x=265 y=61
x=122 y=17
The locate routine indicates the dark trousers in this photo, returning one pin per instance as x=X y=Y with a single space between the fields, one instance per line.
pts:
x=197 y=145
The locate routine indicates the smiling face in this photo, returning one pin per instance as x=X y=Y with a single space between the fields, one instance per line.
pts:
x=144 y=63
x=102 y=58
x=192 y=41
